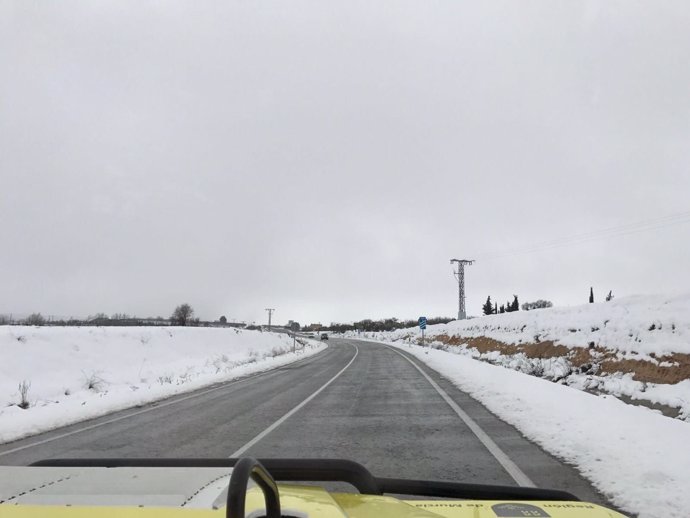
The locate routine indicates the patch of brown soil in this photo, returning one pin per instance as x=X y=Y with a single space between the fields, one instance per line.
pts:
x=484 y=345
x=545 y=350
x=481 y=343
x=580 y=356
x=449 y=340
x=642 y=370
x=647 y=371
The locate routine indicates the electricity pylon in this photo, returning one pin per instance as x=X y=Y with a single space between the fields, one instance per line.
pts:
x=270 y=312
x=460 y=276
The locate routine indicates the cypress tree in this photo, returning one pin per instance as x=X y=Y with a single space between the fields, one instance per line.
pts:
x=516 y=304
x=591 y=295
x=488 y=307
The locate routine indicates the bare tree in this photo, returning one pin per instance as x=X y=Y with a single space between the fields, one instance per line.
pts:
x=182 y=315
x=35 y=319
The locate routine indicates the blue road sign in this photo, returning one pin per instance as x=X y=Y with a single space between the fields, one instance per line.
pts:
x=422 y=322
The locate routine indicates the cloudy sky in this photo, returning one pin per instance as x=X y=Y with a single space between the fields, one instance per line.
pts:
x=328 y=158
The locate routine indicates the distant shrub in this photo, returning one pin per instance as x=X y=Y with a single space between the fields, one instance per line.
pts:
x=186 y=377
x=537 y=305
x=93 y=381
x=24 y=387
x=165 y=379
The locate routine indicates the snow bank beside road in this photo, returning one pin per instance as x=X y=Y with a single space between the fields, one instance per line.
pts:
x=634 y=347
x=640 y=325
x=636 y=457
x=77 y=373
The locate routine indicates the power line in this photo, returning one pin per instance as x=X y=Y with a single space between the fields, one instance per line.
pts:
x=610 y=232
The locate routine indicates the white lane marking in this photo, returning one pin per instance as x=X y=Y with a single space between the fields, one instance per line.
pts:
x=503 y=459
x=295 y=409
x=149 y=409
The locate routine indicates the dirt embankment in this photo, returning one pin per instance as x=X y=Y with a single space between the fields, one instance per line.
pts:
x=667 y=369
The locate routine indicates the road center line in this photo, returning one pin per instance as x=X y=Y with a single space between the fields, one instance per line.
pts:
x=154 y=406
x=295 y=409
x=503 y=459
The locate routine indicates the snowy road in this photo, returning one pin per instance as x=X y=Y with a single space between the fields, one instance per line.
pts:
x=356 y=400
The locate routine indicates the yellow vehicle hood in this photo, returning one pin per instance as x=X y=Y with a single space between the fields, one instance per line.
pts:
x=47 y=492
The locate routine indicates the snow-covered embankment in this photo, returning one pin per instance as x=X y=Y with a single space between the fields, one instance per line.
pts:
x=552 y=374
x=636 y=347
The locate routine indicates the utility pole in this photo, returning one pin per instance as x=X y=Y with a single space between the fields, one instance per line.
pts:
x=294 y=336
x=460 y=275
x=270 y=312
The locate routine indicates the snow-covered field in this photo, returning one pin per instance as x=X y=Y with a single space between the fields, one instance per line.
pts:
x=637 y=457
x=637 y=346
x=77 y=373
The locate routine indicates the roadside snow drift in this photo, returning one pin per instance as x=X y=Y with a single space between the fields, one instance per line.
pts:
x=633 y=347
x=638 y=458
x=70 y=374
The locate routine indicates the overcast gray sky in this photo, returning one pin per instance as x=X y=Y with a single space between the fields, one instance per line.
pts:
x=328 y=158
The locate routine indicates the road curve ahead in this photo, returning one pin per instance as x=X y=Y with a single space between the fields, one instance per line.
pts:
x=357 y=400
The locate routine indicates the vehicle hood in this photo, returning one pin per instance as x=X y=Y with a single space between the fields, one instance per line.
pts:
x=134 y=492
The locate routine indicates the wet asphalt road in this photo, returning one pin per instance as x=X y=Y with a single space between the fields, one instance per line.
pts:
x=379 y=411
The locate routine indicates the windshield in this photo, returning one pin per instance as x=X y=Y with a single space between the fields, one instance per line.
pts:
x=445 y=240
